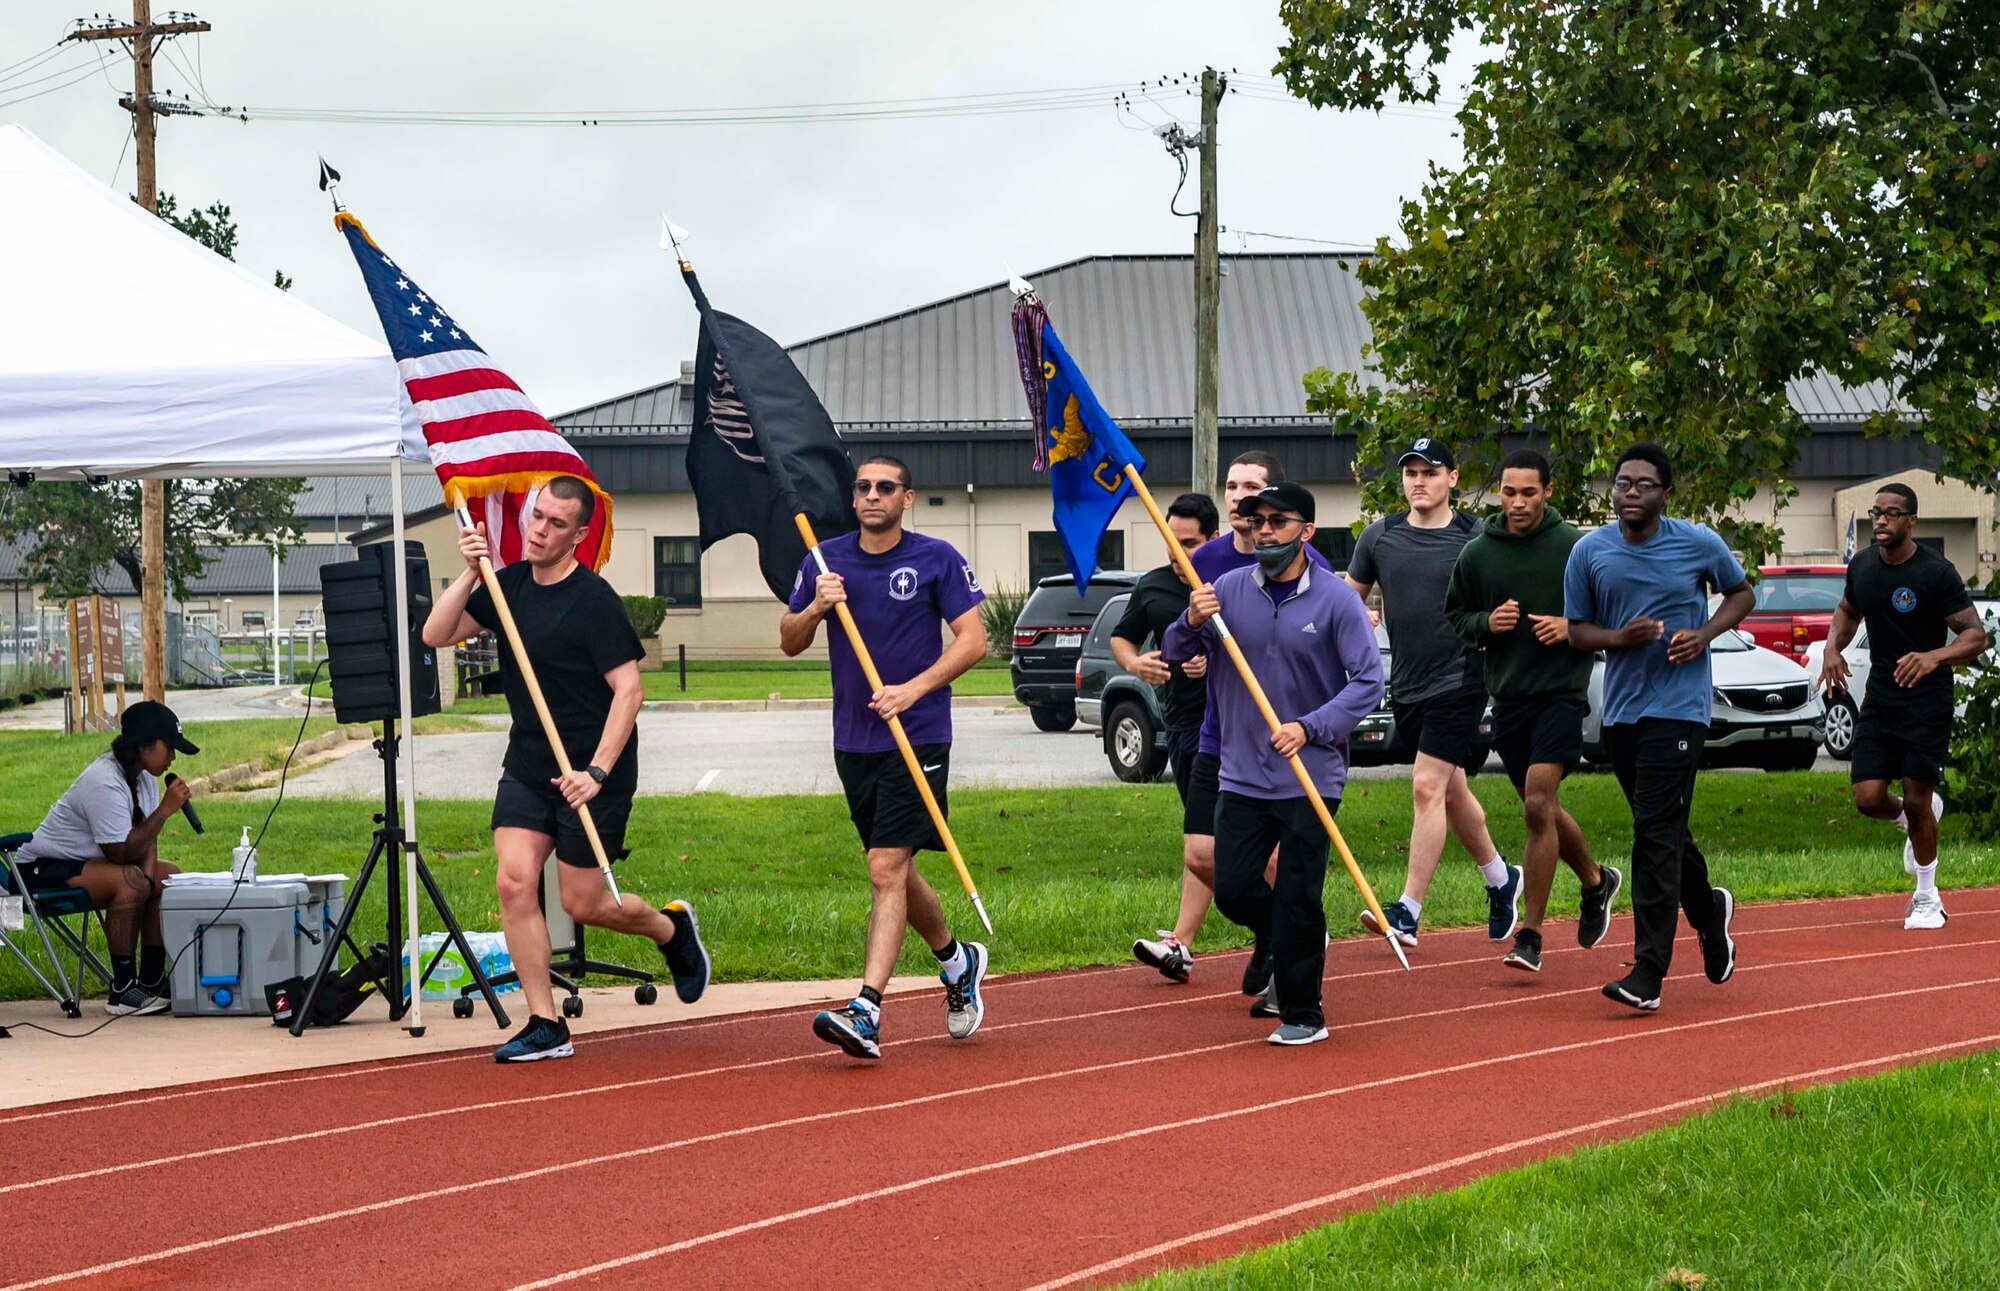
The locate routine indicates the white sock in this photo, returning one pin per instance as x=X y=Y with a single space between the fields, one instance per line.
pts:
x=1927 y=879
x=1494 y=872
x=956 y=964
x=1415 y=907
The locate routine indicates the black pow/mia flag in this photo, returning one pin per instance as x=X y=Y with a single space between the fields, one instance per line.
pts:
x=762 y=448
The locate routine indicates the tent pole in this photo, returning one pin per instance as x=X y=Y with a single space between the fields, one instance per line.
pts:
x=406 y=763
x=275 y=578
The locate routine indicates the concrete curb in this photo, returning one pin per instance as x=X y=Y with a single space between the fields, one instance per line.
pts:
x=242 y=771
x=998 y=703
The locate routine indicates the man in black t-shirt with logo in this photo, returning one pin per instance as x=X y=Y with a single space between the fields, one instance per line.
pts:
x=1921 y=624
x=586 y=657
x=1157 y=600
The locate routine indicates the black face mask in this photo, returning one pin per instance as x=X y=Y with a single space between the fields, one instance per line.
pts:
x=1276 y=560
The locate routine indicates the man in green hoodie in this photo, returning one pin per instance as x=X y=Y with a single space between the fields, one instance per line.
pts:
x=1506 y=597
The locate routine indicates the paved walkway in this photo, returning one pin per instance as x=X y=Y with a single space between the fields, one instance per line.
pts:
x=195 y=705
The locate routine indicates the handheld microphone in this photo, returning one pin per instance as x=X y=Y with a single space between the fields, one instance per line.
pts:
x=187 y=808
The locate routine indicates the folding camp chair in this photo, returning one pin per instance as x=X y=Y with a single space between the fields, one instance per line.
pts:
x=52 y=909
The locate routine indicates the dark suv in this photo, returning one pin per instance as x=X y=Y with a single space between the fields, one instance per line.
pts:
x=1048 y=636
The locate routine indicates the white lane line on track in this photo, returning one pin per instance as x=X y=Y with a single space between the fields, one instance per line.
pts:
x=1067 y=1149
x=436 y=1113
x=707 y=779
x=1487 y=1154
x=477 y=1185
x=394 y=1065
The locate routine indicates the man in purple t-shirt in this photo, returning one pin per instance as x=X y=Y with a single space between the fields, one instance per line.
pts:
x=899 y=586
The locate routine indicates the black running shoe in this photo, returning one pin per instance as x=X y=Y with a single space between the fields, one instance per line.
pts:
x=854 y=1027
x=1503 y=906
x=1633 y=993
x=1718 y=950
x=1527 y=952
x=1257 y=973
x=1596 y=918
x=541 y=1038
x=687 y=958
x=1267 y=1003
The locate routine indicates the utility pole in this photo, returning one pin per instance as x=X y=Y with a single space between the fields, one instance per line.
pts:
x=142 y=36
x=1207 y=295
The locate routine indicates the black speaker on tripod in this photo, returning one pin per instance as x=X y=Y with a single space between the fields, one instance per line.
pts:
x=359 y=597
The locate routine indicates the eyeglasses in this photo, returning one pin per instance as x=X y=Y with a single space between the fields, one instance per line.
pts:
x=1624 y=484
x=1887 y=513
x=1274 y=521
x=880 y=488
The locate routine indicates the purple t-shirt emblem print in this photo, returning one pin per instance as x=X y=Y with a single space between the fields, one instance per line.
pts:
x=901 y=599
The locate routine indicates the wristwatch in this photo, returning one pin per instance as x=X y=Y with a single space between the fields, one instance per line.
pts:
x=597 y=773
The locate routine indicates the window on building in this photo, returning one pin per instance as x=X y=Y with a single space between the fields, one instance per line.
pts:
x=677 y=571
x=1336 y=543
x=1045 y=553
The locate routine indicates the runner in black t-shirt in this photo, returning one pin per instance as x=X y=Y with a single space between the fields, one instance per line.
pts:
x=1158 y=599
x=585 y=654
x=1921 y=624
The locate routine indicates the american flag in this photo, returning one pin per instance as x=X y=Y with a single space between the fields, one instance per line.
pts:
x=490 y=445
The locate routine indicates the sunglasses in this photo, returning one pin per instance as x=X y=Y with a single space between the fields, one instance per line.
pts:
x=879 y=488
x=1274 y=521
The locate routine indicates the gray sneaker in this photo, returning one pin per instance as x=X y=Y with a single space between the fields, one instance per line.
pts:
x=1293 y=1034
x=1267 y=1003
x=964 y=1010
x=135 y=1000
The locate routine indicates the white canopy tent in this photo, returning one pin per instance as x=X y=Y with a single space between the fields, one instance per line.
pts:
x=129 y=350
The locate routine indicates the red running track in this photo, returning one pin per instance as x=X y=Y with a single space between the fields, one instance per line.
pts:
x=1102 y=1124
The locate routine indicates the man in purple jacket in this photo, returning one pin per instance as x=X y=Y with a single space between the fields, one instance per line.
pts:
x=1307 y=638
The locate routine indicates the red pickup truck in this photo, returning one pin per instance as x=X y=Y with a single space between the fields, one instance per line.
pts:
x=1795 y=605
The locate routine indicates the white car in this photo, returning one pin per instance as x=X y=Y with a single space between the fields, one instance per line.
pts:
x=1842 y=710
x=1762 y=711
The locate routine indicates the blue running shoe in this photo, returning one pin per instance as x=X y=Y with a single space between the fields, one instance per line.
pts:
x=854 y=1028
x=541 y=1038
x=687 y=958
x=1401 y=921
x=1503 y=906
x=964 y=1009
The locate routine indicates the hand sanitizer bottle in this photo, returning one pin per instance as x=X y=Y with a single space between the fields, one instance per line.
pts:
x=243 y=861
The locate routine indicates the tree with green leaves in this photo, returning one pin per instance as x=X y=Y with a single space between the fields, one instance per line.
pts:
x=1666 y=211
x=77 y=533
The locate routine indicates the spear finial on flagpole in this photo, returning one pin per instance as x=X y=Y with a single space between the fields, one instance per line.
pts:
x=672 y=236
x=1021 y=287
x=329 y=183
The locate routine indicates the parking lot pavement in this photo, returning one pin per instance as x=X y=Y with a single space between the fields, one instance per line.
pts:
x=750 y=754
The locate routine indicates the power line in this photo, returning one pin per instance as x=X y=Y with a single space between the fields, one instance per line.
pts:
x=81 y=77
x=1289 y=237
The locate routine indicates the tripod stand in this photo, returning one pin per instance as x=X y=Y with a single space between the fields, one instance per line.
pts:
x=389 y=839
x=567 y=967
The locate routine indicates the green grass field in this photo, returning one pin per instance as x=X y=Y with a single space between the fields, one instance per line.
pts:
x=1891 y=1181
x=1069 y=876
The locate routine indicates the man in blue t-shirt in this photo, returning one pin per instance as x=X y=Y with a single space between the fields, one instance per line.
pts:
x=899 y=586
x=1638 y=591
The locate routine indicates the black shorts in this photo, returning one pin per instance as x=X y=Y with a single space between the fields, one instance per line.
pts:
x=1182 y=748
x=48 y=874
x=882 y=799
x=1444 y=726
x=1204 y=791
x=520 y=805
x=1543 y=729
x=1895 y=741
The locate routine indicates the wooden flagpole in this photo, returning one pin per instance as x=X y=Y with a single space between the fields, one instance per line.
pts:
x=1186 y=566
x=896 y=729
x=492 y=581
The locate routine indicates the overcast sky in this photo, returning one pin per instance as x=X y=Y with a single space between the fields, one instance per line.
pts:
x=543 y=241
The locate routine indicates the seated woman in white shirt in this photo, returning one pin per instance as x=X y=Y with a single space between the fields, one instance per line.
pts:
x=102 y=836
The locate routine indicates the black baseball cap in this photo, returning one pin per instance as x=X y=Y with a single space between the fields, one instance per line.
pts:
x=1434 y=451
x=147 y=721
x=1286 y=495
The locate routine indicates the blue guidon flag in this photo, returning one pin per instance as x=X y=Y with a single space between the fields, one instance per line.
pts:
x=1076 y=442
